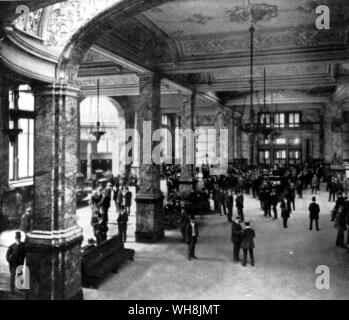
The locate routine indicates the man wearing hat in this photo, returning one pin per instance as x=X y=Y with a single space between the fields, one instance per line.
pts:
x=192 y=234
x=314 y=210
x=239 y=201
x=247 y=243
x=274 y=202
x=15 y=257
x=122 y=223
x=236 y=233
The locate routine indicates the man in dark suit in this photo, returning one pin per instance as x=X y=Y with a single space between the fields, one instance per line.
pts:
x=236 y=233
x=15 y=257
x=267 y=203
x=314 y=210
x=285 y=211
x=105 y=204
x=192 y=234
x=240 y=205
x=128 y=201
x=274 y=202
x=247 y=243
x=230 y=205
x=122 y=223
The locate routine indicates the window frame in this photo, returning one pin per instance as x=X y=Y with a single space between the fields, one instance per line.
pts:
x=15 y=116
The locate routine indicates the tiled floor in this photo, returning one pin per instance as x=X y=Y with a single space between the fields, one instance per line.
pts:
x=286 y=260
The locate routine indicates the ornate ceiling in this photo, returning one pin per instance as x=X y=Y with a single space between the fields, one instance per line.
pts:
x=206 y=43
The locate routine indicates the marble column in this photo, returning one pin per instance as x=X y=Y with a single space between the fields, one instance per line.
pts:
x=187 y=180
x=322 y=133
x=333 y=127
x=173 y=134
x=53 y=248
x=150 y=223
x=222 y=151
x=78 y=146
x=231 y=130
x=130 y=125
x=177 y=141
x=238 y=135
x=89 y=159
x=136 y=145
x=4 y=143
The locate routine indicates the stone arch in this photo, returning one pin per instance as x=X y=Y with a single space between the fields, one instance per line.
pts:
x=76 y=49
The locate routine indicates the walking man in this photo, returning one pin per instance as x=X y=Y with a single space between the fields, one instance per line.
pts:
x=236 y=234
x=247 y=243
x=192 y=234
x=314 y=210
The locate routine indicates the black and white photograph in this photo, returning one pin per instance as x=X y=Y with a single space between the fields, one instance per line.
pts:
x=174 y=150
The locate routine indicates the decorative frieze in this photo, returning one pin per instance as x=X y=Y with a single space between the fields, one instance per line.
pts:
x=282 y=39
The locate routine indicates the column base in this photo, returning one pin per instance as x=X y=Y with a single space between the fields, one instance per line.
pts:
x=150 y=221
x=54 y=262
x=149 y=237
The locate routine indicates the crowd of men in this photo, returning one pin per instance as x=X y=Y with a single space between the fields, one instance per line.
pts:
x=100 y=204
x=276 y=189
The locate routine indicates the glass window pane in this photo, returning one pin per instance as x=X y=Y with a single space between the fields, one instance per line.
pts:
x=26 y=98
x=31 y=148
x=23 y=148
x=11 y=99
x=11 y=162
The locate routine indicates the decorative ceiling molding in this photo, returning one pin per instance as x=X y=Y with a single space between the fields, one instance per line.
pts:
x=264 y=41
x=292 y=69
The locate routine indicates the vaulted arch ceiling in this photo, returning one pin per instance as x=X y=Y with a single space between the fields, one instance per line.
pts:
x=210 y=39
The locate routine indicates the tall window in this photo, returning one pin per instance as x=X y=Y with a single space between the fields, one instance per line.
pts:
x=280 y=156
x=279 y=120
x=294 y=119
x=21 y=155
x=265 y=118
x=205 y=146
x=264 y=157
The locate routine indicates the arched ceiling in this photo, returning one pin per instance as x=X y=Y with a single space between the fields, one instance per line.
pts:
x=205 y=42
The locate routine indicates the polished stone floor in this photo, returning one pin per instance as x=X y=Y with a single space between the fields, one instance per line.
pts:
x=286 y=260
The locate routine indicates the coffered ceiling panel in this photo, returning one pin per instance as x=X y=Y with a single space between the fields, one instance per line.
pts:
x=203 y=17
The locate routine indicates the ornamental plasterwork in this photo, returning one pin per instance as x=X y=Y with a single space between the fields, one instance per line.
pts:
x=263 y=41
x=67 y=17
x=30 y=24
x=119 y=80
x=272 y=70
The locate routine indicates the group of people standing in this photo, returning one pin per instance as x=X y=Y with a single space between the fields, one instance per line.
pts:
x=100 y=204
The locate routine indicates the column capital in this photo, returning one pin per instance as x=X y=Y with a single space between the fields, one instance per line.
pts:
x=56 y=89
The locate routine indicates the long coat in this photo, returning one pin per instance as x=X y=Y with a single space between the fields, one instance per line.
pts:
x=314 y=211
x=247 y=241
x=236 y=232
x=15 y=255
